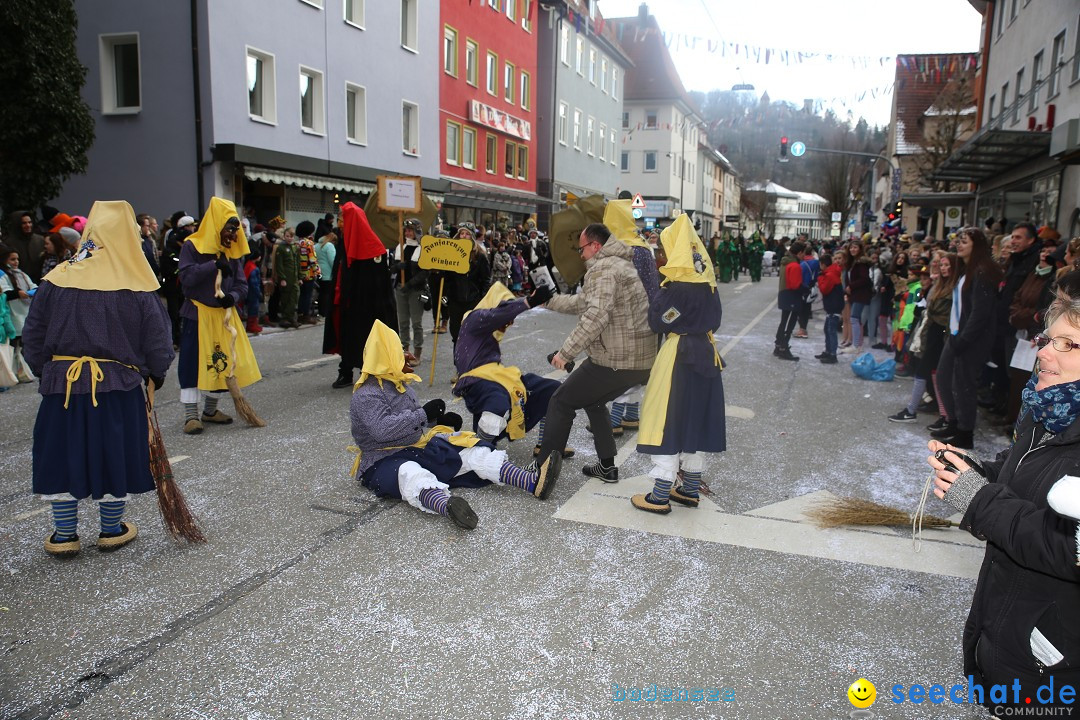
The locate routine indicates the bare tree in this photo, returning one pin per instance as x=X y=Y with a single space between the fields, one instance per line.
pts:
x=946 y=125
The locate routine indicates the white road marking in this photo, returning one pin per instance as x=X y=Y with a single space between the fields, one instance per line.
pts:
x=781 y=527
x=178 y=458
x=739 y=412
x=750 y=326
x=742 y=286
x=30 y=514
x=518 y=337
x=312 y=363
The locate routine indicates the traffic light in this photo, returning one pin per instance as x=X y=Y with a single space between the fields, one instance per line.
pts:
x=783 y=146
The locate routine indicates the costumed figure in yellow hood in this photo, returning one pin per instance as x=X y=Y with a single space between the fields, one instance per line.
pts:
x=206 y=348
x=504 y=401
x=416 y=453
x=95 y=333
x=362 y=292
x=683 y=412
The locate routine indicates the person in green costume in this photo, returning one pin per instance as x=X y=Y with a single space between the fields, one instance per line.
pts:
x=755 y=252
x=724 y=260
x=734 y=254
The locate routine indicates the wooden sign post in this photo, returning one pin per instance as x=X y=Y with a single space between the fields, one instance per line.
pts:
x=400 y=194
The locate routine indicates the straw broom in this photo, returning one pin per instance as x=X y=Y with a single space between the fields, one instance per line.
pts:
x=178 y=518
x=243 y=407
x=857 y=511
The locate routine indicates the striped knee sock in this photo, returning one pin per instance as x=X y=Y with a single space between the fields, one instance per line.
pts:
x=191 y=411
x=630 y=412
x=617 y=410
x=661 y=491
x=435 y=499
x=511 y=474
x=210 y=405
x=112 y=512
x=65 y=518
x=540 y=434
x=691 y=483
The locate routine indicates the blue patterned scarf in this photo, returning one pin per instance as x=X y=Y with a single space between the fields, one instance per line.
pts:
x=1056 y=407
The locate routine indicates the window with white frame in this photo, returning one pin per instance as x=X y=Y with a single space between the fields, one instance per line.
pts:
x=614 y=83
x=262 y=86
x=650 y=161
x=492 y=68
x=121 y=85
x=410 y=128
x=1036 y=78
x=312 y=102
x=993 y=102
x=522 y=162
x=526 y=15
x=356 y=113
x=510 y=157
x=508 y=82
x=450 y=54
x=468 y=148
x=472 y=57
x=611 y=145
x=577 y=129
x=313 y=3
x=453 y=143
x=592 y=65
x=625 y=120
x=624 y=161
x=491 y=159
x=525 y=88
x=1000 y=17
x=603 y=142
x=408 y=24
x=564 y=122
x=603 y=75
x=589 y=137
x=579 y=57
x=651 y=119
x=1004 y=102
x=1012 y=10
x=1019 y=94
x=1057 y=60
x=511 y=10
x=354 y=12
x=564 y=44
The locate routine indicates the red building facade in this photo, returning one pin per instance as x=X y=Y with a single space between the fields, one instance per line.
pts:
x=487 y=109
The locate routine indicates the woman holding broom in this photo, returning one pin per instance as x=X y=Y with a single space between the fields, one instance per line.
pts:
x=1023 y=626
x=96 y=332
x=215 y=354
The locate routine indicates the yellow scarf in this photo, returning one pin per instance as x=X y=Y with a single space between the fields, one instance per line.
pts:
x=207 y=239
x=496 y=294
x=215 y=346
x=110 y=256
x=384 y=359
x=510 y=379
x=681 y=242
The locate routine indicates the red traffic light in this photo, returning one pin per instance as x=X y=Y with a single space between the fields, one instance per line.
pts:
x=783 y=146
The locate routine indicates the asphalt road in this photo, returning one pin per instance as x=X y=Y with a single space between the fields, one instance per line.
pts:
x=315 y=600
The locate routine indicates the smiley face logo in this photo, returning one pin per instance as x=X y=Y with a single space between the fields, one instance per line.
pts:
x=862 y=693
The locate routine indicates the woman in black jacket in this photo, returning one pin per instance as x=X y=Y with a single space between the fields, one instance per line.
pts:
x=971 y=327
x=1023 y=624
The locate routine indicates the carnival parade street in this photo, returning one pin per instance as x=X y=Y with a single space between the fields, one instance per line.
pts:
x=314 y=599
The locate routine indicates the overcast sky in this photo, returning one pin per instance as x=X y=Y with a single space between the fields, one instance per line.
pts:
x=863 y=28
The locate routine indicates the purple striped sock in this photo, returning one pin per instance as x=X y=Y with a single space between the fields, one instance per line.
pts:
x=435 y=499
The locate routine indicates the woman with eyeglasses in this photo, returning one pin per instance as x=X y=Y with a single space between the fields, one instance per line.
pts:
x=1023 y=626
x=971 y=335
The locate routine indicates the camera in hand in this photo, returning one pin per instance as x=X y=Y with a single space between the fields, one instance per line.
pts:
x=972 y=462
x=569 y=366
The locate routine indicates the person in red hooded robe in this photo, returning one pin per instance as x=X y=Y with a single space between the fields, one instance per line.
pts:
x=363 y=293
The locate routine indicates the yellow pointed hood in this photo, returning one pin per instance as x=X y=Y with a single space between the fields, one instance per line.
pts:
x=496 y=294
x=681 y=243
x=207 y=238
x=110 y=256
x=384 y=359
x=619 y=219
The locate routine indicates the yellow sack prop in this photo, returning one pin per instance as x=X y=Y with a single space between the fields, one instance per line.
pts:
x=510 y=379
x=457 y=439
x=214 y=346
x=654 y=407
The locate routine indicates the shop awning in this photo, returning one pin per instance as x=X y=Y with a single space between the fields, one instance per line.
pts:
x=479 y=195
x=992 y=152
x=295 y=179
x=937 y=200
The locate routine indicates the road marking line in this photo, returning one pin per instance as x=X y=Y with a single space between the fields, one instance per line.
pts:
x=312 y=363
x=739 y=412
x=518 y=337
x=178 y=458
x=735 y=340
x=743 y=285
x=30 y=514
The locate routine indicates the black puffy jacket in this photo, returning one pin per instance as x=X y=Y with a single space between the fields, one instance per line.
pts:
x=1029 y=576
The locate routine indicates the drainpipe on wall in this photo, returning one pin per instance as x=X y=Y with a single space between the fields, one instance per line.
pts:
x=197 y=90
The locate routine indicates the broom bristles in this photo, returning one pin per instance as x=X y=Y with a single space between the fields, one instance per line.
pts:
x=243 y=407
x=858 y=511
x=179 y=520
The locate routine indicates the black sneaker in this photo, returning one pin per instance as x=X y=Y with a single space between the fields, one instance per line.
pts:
x=927 y=407
x=459 y=511
x=826 y=359
x=938 y=424
x=903 y=417
x=343 y=380
x=785 y=354
x=598 y=471
x=879 y=346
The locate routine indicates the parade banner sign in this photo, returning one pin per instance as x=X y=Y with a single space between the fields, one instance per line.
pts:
x=448 y=254
x=498 y=120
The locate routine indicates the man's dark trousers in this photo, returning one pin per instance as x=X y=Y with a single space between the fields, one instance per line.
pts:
x=788 y=318
x=590 y=387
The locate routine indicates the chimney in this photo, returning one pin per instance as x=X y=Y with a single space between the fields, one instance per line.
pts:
x=643 y=12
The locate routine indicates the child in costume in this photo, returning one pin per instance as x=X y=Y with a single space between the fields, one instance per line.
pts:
x=255 y=293
x=287 y=277
x=216 y=250
x=683 y=413
x=7 y=328
x=96 y=332
x=504 y=401
x=412 y=452
x=17 y=286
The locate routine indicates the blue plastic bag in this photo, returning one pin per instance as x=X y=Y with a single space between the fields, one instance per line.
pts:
x=867 y=368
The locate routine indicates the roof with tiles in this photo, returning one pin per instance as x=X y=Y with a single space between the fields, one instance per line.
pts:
x=653 y=76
